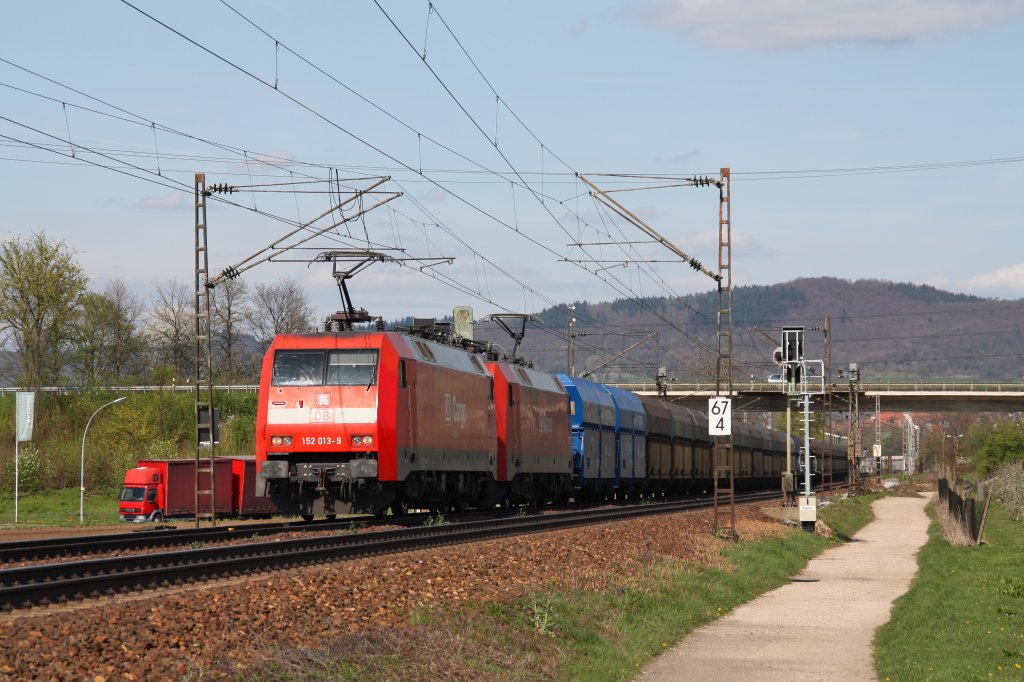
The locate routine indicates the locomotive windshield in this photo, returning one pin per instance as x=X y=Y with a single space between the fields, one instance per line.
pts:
x=346 y=367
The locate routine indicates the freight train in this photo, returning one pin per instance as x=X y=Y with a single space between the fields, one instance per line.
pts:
x=364 y=422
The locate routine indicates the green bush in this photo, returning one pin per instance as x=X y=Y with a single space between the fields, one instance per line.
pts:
x=31 y=470
x=1008 y=488
x=156 y=425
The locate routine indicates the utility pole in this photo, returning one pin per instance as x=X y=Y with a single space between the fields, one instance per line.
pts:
x=205 y=415
x=853 y=443
x=826 y=466
x=723 y=375
x=790 y=356
x=719 y=407
x=570 y=360
x=877 y=450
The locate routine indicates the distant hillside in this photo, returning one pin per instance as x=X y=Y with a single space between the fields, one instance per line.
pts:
x=891 y=329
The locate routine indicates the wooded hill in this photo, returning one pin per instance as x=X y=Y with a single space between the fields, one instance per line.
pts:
x=893 y=330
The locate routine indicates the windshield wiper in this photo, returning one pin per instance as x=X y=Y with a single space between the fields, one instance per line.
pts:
x=373 y=375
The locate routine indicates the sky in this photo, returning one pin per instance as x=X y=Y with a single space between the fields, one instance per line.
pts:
x=872 y=139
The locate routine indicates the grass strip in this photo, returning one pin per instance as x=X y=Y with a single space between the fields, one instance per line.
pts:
x=60 y=508
x=963 y=617
x=610 y=637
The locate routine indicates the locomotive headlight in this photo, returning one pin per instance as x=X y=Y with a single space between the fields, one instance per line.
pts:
x=362 y=440
x=367 y=440
x=278 y=441
x=275 y=440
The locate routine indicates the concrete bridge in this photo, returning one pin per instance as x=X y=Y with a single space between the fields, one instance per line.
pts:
x=754 y=396
x=894 y=396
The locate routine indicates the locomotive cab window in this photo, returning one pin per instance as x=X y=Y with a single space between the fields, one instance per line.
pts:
x=346 y=367
x=298 y=368
x=352 y=367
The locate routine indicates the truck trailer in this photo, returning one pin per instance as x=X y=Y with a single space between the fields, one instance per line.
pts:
x=159 y=489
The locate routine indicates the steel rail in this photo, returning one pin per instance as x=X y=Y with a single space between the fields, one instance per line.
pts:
x=55 y=583
x=166 y=536
x=60 y=547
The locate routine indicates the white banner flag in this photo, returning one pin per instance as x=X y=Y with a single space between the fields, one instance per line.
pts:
x=26 y=414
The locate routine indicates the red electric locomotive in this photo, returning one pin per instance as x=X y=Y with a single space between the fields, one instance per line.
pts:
x=364 y=421
x=534 y=437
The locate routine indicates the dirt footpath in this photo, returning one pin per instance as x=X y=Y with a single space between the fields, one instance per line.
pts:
x=820 y=626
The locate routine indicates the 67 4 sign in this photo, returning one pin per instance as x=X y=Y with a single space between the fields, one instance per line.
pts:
x=719 y=416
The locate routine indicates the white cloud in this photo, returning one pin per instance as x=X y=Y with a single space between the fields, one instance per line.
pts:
x=435 y=196
x=166 y=202
x=706 y=241
x=793 y=24
x=1004 y=281
x=578 y=28
x=686 y=156
x=258 y=163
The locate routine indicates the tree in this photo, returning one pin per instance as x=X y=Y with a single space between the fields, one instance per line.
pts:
x=280 y=308
x=41 y=287
x=229 y=302
x=126 y=341
x=107 y=342
x=932 y=439
x=92 y=338
x=1005 y=443
x=172 y=328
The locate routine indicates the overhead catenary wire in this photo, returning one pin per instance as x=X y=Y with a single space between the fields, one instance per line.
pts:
x=409 y=180
x=737 y=174
x=138 y=120
x=448 y=90
x=375 y=148
x=141 y=121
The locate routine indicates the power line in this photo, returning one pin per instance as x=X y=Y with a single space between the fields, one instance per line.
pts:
x=63 y=144
x=182 y=186
x=372 y=146
x=497 y=148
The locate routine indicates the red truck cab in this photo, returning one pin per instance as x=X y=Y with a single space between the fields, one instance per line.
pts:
x=142 y=495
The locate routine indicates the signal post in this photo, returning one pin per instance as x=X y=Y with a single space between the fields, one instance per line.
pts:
x=803 y=379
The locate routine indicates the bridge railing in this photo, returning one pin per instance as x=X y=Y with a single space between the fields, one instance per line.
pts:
x=923 y=386
x=676 y=388
x=176 y=388
x=944 y=386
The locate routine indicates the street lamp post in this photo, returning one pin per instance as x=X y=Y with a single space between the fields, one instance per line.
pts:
x=81 y=492
x=956 y=451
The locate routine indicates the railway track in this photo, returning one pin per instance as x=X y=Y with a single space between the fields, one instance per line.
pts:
x=42 y=584
x=51 y=548
x=169 y=536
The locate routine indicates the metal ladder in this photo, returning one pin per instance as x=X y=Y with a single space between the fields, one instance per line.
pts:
x=724 y=520
x=204 y=484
